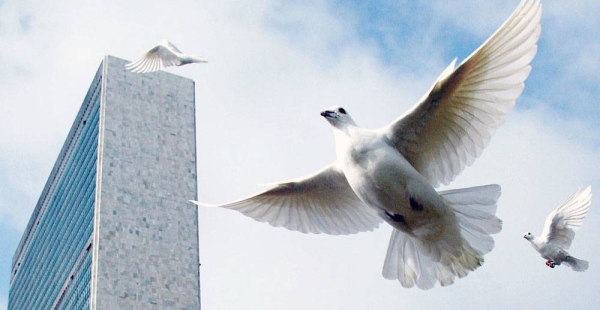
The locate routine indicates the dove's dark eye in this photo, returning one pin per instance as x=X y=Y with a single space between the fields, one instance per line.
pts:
x=342 y=110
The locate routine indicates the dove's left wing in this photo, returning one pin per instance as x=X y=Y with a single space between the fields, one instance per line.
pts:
x=320 y=203
x=560 y=225
x=451 y=125
x=159 y=57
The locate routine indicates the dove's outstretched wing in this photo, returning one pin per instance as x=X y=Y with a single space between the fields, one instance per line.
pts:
x=161 y=56
x=560 y=225
x=451 y=125
x=320 y=203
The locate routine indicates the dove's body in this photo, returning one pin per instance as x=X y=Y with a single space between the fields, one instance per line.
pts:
x=549 y=251
x=382 y=178
x=555 y=255
x=189 y=59
x=559 y=231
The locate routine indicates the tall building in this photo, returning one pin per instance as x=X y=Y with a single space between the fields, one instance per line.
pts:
x=113 y=227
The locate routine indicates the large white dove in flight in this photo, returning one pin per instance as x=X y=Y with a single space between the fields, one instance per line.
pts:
x=559 y=231
x=389 y=174
x=163 y=55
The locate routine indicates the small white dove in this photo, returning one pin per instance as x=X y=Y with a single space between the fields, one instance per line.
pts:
x=390 y=174
x=163 y=55
x=559 y=231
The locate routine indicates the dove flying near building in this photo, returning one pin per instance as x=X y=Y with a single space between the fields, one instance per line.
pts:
x=390 y=174
x=559 y=231
x=163 y=55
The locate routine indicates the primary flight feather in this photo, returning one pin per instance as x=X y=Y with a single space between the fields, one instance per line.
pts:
x=390 y=174
x=163 y=55
x=559 y=231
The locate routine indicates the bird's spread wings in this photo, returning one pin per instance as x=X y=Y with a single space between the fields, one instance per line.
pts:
x=561 y=223
x=453 y=122
x=320 y=203
x=159 y=57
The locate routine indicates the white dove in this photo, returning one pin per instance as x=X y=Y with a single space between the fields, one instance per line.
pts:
x=559 y=231
x=163 y=55
x=389 y=174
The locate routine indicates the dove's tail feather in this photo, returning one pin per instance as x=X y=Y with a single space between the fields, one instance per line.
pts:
x=576 y=264
x=475 y=210
x=413 y=262
x=408 y=262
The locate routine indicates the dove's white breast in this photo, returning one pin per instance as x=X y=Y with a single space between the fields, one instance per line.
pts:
x=549 y=250
x=386 y=181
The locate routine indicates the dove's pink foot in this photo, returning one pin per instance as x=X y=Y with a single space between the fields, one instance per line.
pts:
x=550 y=264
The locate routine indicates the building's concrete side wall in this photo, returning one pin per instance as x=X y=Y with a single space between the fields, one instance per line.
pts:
x=146 y=228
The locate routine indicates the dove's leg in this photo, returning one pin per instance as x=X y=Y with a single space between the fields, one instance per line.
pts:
x=550 y=264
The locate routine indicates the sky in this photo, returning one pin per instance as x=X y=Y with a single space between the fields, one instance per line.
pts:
x=273 y=66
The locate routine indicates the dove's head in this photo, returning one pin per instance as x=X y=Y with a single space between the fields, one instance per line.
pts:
x=528 y=236
x=338 y=117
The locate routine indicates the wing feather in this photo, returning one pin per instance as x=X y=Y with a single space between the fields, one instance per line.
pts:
x=163 y=55
x=561 y=224
x=452 y=124
x=320 y=203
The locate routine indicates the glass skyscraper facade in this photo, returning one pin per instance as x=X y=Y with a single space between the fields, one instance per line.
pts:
x=113 y=228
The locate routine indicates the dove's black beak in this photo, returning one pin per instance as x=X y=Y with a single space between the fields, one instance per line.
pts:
x=327 y=113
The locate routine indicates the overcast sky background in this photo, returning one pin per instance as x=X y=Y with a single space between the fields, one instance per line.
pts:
x=274 y=65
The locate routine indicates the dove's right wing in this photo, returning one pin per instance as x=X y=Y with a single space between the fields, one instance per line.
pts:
x=158 y=57
x=561 y=223
x=451 y=125
x=320 y=203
